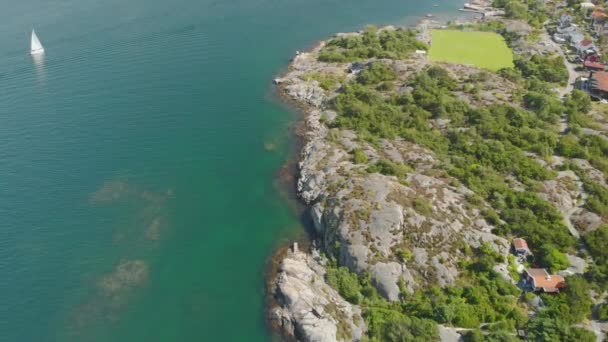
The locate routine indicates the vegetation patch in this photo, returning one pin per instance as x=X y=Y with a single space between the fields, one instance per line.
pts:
x=486 y=50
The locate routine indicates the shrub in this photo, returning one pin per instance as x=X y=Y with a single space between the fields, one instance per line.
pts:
x=359 y=156
x=375 y=73
x=346 y=282
x=389 y=168
x=391 y=44
x=552 y=258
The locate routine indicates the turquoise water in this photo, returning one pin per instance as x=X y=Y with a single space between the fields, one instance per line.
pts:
x=148 y=137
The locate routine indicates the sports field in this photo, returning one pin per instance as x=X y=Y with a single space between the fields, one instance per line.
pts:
x=486 y=50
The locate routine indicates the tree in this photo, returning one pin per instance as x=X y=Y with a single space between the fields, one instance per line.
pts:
x=552 y=258
x=572 y=305
x=516 y=10
x=345 y=282
x=542 y=329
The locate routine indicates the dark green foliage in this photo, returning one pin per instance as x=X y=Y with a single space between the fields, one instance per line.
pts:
x=345 y=282
x=572 y=304
x=597 y=200
x=543 y=329
x=358 y=156
x=392 y=325
x=597 y=243
x=533 y=218
x=602 y=312
x=552 y=258
x=511 y=74
x=385 y=321
x=547 y=107
x=535 y=12
x=375 y=73
x=389 y=168
x=545 y=68
x=485 y=297
x=578 y=102
x=516 y=10
x=569 y=146
x=395 y=44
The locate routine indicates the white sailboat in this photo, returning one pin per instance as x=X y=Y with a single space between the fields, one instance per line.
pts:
x=36 y=46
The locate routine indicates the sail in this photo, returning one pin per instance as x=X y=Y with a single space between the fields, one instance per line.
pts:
x=36 y=45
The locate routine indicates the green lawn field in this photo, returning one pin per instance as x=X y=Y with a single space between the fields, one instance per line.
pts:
x=486 y=50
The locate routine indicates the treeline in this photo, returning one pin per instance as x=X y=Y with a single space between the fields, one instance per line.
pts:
x=533 y=11
x=372 y=43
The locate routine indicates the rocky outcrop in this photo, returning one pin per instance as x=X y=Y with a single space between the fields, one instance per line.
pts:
x=409 y=231
x=309 y=309
x=406 y=230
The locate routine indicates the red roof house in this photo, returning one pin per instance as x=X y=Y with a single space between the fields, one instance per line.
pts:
x=598 y=84
x=540 y=280
x=520 y=247
x=596 y=66
x=598 y=14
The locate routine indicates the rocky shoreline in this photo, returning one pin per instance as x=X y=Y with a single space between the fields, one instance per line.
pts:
x=416 y=188
x=337 y=196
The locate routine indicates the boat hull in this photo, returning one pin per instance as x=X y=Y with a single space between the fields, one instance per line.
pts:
x=36 y=52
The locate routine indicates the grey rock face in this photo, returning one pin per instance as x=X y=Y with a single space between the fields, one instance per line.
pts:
x=401 y=231
x=308 y=308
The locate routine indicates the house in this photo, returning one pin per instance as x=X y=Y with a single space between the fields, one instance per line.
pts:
x=598 y=85
x=585 y=47
x=538 y=279
x=593 y=58
x=593 y=66
x=520 y=247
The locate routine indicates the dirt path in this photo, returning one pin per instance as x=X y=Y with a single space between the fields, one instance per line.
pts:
x=572 y=73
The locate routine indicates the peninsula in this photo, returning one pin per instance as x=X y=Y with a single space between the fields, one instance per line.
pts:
x=455 y=194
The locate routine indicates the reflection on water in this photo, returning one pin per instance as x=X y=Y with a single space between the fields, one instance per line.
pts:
x=39 y=64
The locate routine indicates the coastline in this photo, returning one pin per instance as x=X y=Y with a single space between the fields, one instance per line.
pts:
x=303 y=132
x=389 y=218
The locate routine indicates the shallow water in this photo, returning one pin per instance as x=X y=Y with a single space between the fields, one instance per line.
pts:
x=138 y=200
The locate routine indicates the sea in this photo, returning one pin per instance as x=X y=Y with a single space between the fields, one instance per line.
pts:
x=140 y=197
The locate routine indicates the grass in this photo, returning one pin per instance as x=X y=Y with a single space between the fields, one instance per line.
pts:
x=485 y=50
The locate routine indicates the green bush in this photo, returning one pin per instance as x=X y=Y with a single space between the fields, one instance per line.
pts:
x=602 y=312
x=359 y=156
x=391 y=325
x=550 y=329
x=550 y=69
x=346 y=282
x=375 y=73
x=552 y=258
x=389 y=168
x=391 y=44
x=597 y=243
x=572 y=304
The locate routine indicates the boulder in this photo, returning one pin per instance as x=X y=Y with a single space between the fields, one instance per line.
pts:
x=308 y=308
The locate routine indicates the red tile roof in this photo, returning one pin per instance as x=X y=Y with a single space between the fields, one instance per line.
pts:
x=543 y=280
x=586 y=42
x=599 y=80
x=519 y=243
x=594 y=65
x=599 y=14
